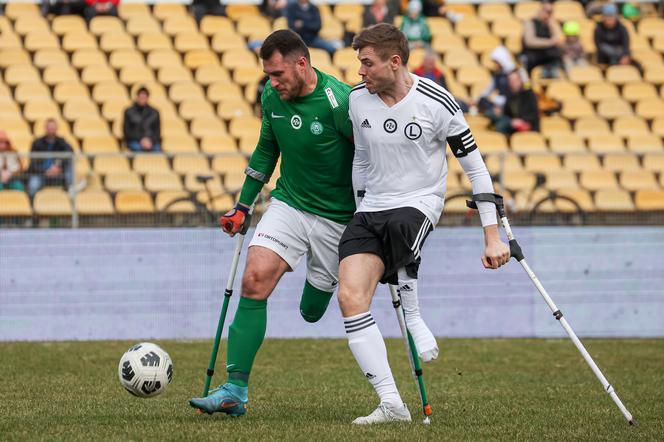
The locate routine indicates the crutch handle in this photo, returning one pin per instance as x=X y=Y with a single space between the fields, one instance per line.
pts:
x=487 y=198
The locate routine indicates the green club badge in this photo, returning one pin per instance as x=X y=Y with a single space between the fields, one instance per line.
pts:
x=296 y=122
x=316 y=128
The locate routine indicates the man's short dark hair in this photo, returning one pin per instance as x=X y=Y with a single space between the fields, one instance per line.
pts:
x=386 y=39
x=286 y=42
x=142 y=89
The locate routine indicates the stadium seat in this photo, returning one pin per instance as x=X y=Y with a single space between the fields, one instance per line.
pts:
x=27 y=24
x=25 y=92
x=622 y=74
x=234 y=58
x=613 y=201
x=576 y=108
x=618 y=162
x=192 y=184
x=95 y=144
x=150 y=41
x=638 y=180
x=563 y=89
x=611 y=108
x=49 y=57
x=94 y=74
x=635 y=91
x=79 y=107
x=40 y=40
x=143 y=24
x=211 y=25
x=560 y=180
x=40 y=110
x=183 y=143
x=214 y=74
x=70 y=90
x=246 y=125
x=581 y=162
x=176 y=25
x=63 y=24
x=164 y=11
x=158 y=182
x=598 y=180
x=52 y=202
x=133 y=201
x=212 y=144
x=222 y=43
x=21 y=73
x=649 y=200
x=87 y=57
x=150 y=163
x=601 y=90
x=111 y=164
x=630 y=125
x=13 y=56
x=606 y=143
x=115 y=182
x=542 y=163
x=185 y=41
x=653 y=162
x=583 y=75
x=94 y=202
x=566 y=143
x=497 y=163
x=113 y=109
x=554 y=125
x=650 y=108
x=104 y=91
x=128 y=10
x=591 y=125
x=229 y=163
x=14 y=203
x=207 y=126
x=456 y=58
x=191 y=164
x=657 y=127
x=644 y=143
x=164 y=198
x=528 y=142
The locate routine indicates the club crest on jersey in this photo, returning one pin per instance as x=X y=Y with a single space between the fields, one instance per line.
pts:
x=390 y=126
x=316 y=128
x=296 y=122
x=412 y=131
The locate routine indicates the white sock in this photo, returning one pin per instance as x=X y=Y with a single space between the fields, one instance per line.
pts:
x=367 y=345
x=424 y=339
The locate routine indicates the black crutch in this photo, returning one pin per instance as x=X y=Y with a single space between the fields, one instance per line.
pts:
x=516 y=252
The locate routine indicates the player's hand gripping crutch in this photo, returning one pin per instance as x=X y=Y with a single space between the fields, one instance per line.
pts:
x=517 y=253
x=227 y=222
x=412 y=353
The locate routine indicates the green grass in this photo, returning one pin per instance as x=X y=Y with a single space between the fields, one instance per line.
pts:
x=312 y=389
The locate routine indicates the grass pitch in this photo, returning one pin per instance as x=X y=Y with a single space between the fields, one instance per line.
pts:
x=312 y=390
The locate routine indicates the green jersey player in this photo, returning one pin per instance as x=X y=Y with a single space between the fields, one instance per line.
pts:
x=305 y=122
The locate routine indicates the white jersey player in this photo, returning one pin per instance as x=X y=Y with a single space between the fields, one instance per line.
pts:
x=401 y=124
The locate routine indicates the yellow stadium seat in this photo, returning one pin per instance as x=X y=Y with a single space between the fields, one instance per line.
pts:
x=605 y=143
x=493 y=11
x=192 y=108
x=621 y=162
x=191 y=164
x=161 y=58
x=497 y=163
x=554 y=125
x=116 y=182
x=208 y=75
x=658 y=127
x=198 y=58
x=40 y=40
x=562 y=90
x=655 y=74
x=164 y=201
x=192 y=184
x=507 y=28
x=601 y=90
x=234 y=58
x=253 y=26
x=591 y=125
x=190 y=41
x=143 y=24
x=180 y=25
x=14 y=56
x=560 y=179
x=112 y=41
x=471 y=75
x=542 y=163
x=490 y=142
x=649 y=200
x=21 y=73
x=622 y=74
x=14 y=203
x=236 y=10
x=87 y=57
x=613 y=201
x=611 y=108
x=40 y=110
x=165 y=11
x=104 y=24
x=25 y=92
x=100 y=144
x=346 y=11
x=650 y=108
x=184 y=90
x=183 y=143
x=150 y=163
x=75 y=108
x=28 y=24
x=248 y=143
x=211 y=25
x=234 y=108
x=526 y=142
x=136 y=75
x=629 y=125
x=471 y=25
x=564 y=10
x=483 y=42
x=229 y=163
x=222 y=42
x=133 y=201
x=566 y=143
x=581 y=162
x=158 y=182
x=50 y=57
x=172 y=74
x=52 y=202
x=638 y=180
x=104 y=91
x=519 y=181
x=644 y=143
x=650 y=27
x=585 y=74
x=90 y=127
x=212 y=144
x=598 y=180
x=576 y=108
x=96 y=74
x=246 y=75
x=94 y=202
x=636 y=91
x=113 y=109
x=151 y=41
x=111 y=164
x=653 y=162
x=456 y=58
x=207 y=126
x=128 y=10
x=246 y=125
x=59 y=73
x=345 y=58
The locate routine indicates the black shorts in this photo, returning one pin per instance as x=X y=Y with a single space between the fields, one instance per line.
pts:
x=395 y=235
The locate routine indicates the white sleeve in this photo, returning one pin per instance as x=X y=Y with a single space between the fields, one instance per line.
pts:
x=360 y=160
x=463 y=146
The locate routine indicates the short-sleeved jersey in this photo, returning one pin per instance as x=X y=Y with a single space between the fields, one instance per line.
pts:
x=313 y=136
x=402 y=148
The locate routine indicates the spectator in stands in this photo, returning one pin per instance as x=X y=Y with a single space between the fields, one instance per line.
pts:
x=273 y=8
x=428 y=69
x=520 y=113
x=10 y=165
x=542 y=40
x=437 y=8
x=572 y=50
x=414 y=26
x=100 y=7
x=498 y=90
x=611 y=38
x=304 y=19
x=54 y=171
x=142 y=125
x=380 y=11
x=201 y=8
x=62 y=7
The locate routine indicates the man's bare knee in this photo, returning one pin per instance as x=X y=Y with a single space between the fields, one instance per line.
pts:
x=254 y=285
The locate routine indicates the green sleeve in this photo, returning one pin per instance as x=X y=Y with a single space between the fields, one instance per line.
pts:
x=341 y=118
x=265 y=156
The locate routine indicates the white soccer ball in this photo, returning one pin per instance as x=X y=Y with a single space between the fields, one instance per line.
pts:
x=145 y=370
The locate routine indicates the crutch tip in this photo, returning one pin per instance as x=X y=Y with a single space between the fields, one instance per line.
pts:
x=633 y=423
x=426 y=421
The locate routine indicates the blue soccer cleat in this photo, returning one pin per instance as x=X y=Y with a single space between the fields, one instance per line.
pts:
x=230 y=399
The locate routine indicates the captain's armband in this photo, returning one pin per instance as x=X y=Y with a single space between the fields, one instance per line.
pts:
x=462 y=144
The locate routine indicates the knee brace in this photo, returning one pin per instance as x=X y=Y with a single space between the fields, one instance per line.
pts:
x=314 y=302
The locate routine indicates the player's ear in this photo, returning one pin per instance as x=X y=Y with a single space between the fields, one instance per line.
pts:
x=395 y=62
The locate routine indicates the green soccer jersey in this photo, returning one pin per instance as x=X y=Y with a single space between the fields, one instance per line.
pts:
x=313 y=136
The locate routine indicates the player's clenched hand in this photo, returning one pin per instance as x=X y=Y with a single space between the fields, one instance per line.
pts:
x=233 y=220
x=496 y=254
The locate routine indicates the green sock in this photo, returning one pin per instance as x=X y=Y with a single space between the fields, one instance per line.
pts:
x=245 y=337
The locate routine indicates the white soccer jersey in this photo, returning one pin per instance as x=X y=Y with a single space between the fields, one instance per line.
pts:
x=400 y=150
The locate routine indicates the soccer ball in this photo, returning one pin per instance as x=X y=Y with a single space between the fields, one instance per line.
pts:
x=145 y=370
